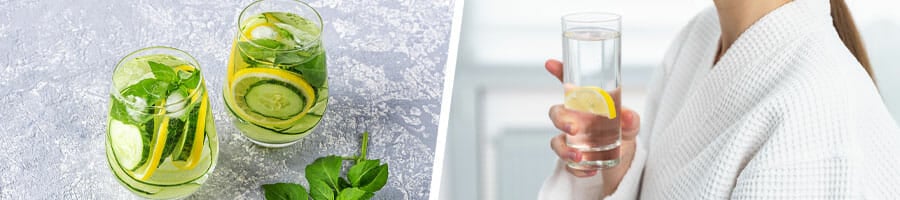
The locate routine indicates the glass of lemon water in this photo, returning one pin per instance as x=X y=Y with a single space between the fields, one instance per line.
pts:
x=161 y=141
x=591 y=75
x=276 y=84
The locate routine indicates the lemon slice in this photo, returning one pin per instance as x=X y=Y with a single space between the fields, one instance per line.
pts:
x=185 y=68
x=270 y=97
x=159 y=144
x=231 y=62
x=592 y=100
x=197 y=145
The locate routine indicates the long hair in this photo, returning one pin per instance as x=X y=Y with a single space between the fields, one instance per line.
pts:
x=846 y=28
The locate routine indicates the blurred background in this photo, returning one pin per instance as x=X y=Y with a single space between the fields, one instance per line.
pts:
x=498 y=138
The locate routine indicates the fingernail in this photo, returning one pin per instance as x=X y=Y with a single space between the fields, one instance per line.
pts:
x=574 y=156
x=568 y=128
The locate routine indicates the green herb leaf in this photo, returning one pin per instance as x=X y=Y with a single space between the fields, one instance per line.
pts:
x=319 y=190
x=150 y=90
x=326 y=169
x=364 y=172
x=343 y=184
x=268 y=43
x=252 y=53
x=355 y=194
x=314 y=70
x=118 y=111
x=192 y=81
x=288 y=58
x=285 y=191
x=378 y=181
x=162 y=72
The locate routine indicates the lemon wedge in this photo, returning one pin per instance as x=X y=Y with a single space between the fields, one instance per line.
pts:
x=591 y=99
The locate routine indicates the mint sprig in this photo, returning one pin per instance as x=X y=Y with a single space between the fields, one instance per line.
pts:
x=150 y=92
x=363 y=179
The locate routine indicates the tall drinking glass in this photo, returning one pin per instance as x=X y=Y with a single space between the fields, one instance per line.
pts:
x=161 y=141
x=593 y=85
x=276 y=86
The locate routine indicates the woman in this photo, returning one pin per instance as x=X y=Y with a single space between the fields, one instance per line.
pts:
x=757 y=99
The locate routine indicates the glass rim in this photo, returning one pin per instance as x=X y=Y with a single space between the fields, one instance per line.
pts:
x=590 y=17
x=190 y=59
x=321 y=25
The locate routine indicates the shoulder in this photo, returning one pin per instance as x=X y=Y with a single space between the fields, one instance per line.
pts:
x=825 y=107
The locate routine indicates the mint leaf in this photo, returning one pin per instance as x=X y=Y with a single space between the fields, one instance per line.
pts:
x=118 y=111
x=355 y=194
x=378 y=181
x=251 y=53
x=363 y=173
x=268 y=43
x=320 y=190
x=192 y=81
x=288 y=58
x=343 y=184
x=285 y=191
x=314 y=70
x=326 y=169
x=162 y=72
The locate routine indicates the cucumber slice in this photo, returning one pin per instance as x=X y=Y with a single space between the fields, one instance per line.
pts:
x=274 y=99
x=270 y=107
x=305 y=124
x=127 y=144
x=318 y=108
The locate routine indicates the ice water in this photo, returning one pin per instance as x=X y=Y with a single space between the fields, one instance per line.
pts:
x=592 y=67
x=161 y=140
x=276 y=87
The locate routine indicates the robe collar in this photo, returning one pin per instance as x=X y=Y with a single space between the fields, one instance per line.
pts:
x=745 y=73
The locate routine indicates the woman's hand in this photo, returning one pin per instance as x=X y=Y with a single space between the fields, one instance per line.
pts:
x=575 y=123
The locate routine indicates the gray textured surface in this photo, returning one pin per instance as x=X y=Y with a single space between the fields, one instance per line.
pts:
x=385 y=63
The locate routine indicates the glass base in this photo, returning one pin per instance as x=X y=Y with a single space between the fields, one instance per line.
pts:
x=596 y=157
x=268 y=145
x=594 y=164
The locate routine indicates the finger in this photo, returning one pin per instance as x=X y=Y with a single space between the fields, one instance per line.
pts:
x=575 y=122
x=581 y=173
x=555 y=67
x=558 y=144
x=631 y=124
x=556 y=116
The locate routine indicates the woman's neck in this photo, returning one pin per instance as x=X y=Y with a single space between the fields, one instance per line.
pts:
x=735 y=16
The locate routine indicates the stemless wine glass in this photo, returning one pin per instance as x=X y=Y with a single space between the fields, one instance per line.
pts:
x=161 y=139
x=276 y=85
x=593 y=84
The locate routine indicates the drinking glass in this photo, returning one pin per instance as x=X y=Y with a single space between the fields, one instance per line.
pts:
x=591 y=75
x=276 y=85
x=161 y=140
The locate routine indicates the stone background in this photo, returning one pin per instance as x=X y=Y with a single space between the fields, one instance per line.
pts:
x=386 y=71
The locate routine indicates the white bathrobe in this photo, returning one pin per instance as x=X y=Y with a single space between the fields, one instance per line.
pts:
x=787 y=113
